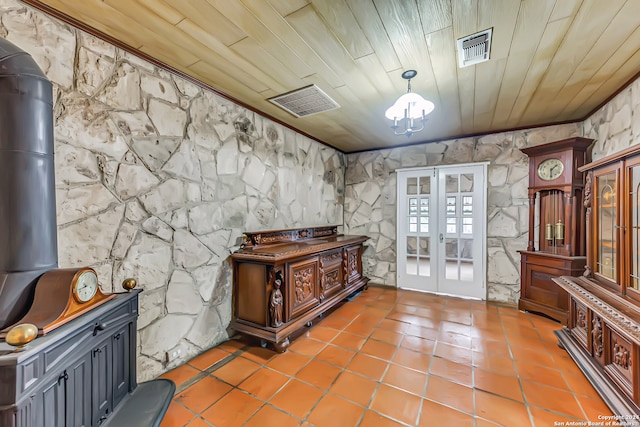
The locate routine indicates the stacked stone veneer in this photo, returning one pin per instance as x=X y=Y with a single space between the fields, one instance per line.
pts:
x=616 y=125
x=370 y=199
x=157 y=178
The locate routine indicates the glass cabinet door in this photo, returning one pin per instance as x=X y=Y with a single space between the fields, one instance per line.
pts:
x=634 y=227
x=606 y=229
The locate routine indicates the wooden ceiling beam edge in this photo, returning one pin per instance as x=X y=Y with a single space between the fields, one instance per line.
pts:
x=109 y=39
x=470 y=135
x=36 y=4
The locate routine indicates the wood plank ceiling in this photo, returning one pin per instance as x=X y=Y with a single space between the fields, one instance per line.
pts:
x=552 y=61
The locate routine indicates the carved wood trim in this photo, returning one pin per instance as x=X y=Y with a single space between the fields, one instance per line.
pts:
x=596 y=336
x=345 y=264
x=588 y=187
x=332 y=279
x=321 y=277
x=331 y=257
x=283 y=236
x=303 y=284
x=581 y=321
x=612 y=316
x=276 y=300
x=621 y=356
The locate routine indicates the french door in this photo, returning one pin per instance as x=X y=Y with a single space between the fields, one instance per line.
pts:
x=441 y=235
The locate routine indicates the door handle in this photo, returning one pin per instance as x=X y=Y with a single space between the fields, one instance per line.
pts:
x=441 y=238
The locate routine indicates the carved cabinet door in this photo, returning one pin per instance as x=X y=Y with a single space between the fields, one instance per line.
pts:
x=303 y=286
x=331 y=273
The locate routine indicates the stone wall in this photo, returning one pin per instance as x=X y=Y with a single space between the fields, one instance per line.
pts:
x=616 y=125
x=157 y=178
x=370 y=199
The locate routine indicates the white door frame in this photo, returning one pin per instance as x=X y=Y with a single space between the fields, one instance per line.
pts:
x=429 y=241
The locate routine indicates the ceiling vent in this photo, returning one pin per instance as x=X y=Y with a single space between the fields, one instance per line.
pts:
x=475 y=48
x=305 y=101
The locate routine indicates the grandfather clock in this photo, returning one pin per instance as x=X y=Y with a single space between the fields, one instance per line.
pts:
x=556 y=244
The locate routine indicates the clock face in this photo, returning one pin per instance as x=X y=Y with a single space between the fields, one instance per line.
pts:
x=86 y=286
x=550 y=169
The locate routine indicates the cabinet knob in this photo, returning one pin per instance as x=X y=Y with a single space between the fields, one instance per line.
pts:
x=21 y=335
x=129 y=284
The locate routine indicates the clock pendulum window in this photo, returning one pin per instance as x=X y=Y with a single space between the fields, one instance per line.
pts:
x=556 y=241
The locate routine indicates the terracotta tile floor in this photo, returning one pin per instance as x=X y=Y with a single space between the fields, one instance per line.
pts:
x=392 y=358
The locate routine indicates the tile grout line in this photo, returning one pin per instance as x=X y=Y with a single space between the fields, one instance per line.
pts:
x=206 y=372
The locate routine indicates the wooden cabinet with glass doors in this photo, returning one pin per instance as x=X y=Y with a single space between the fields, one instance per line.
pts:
x=603 y=330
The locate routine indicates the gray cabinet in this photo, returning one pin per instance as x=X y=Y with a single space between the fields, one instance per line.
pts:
x=102 y=376
x=50 y=404
x=121 y=350
x=78 y=393
x=75 y=376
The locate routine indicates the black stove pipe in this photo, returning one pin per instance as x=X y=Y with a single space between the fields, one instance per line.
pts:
x=28 y=240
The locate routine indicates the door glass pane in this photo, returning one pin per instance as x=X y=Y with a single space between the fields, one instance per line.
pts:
x=451 y=183
x=412 y=265
x=451 y=271
x=466 y=183
x=451 y=249
x=606 y=233
x=467 y=205
x=424 y=206
x=424 y=224
x=413 y=224
x=425 y=185
x=466 y=248
x=635 y=228
x=425 y=246
x=424 y=269
x=452 y=226
x=451 y=205
x=467 y=225
x=466 y=271
x=412 y=245
x=413 y=206
x=412 y=185
x=424 y=265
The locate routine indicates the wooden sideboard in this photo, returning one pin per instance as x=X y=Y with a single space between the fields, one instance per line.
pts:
x=284 y=279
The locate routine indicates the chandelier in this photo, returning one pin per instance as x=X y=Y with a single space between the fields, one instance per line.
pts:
x=409 y=113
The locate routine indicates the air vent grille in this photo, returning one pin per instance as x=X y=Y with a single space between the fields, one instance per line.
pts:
x=474 y=49
x=305 y=101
